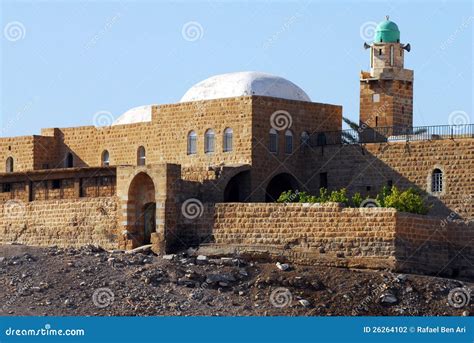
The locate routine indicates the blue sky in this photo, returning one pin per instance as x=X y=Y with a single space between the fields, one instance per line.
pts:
x=64 y=61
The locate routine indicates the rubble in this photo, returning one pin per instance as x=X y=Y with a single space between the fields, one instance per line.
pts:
x=55 y=281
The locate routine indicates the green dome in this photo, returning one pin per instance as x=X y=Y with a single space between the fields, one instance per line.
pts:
x=387 y=32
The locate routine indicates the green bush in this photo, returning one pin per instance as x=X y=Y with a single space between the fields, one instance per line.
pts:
x=357 y=200
x=407 y=201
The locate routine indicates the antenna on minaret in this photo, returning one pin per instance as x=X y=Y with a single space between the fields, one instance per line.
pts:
x=387 y=17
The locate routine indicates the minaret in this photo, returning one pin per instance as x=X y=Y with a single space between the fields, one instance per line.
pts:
x=386 y=92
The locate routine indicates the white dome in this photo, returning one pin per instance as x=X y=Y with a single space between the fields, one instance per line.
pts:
x=244 y=84
x=134 y=115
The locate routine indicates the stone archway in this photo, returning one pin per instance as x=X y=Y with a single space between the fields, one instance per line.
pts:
x=238 y=188
x=141 y=209
x=278 y=184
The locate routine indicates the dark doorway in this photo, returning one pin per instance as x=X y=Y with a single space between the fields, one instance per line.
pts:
x=69 y=161
x=238 y=188
x=279 y=184
x=149 y=220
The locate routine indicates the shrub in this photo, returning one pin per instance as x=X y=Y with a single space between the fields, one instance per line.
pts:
x=407 y=201
x=356 y=200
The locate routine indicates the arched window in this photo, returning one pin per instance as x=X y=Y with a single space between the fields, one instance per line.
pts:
x=192 y=143
x=273 y=143
x=288 y=142
x=437 y=181
x=141 y=157
x=9 y=165
x=209 y=141
x=321 y=139
x=304 y=139
x=228 y=135
x=105 y=158
x=69 y=160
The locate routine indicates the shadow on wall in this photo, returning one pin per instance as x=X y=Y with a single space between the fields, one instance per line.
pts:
x=357 y=169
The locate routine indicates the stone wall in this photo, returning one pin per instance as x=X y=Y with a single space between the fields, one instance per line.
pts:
x=66 y=222
x=332 y=235
x=367 y=168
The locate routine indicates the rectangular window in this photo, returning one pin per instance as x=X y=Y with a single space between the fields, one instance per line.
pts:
x=375 y=97
x=391 y=55
x=6 y=187
x=323 y=180
x=56 y=184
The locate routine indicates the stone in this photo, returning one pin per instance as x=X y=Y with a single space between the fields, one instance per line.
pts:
x=388 y=298
x=201 y=259
x=169 y=257
x=465 y=313
x=304 y=302
x=282 y=266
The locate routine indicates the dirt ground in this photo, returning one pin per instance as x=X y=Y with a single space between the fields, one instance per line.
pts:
x=91 y=281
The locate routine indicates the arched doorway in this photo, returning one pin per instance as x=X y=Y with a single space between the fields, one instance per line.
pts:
x=238 y=188
x=278 y=184
x=141 y=213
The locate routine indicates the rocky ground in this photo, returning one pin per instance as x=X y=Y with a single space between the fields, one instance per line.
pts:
x=92 y=281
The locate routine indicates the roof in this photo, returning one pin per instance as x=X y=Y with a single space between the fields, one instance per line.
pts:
x=244 y=84
x=387 y=32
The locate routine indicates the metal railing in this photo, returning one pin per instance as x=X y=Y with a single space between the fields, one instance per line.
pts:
x=391 y=134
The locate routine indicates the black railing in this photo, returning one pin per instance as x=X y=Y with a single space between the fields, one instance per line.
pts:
x=391 y=134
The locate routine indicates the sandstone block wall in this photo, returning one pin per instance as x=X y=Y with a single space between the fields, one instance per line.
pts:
x=367 y=168
x=66 y=222
x=333 y=235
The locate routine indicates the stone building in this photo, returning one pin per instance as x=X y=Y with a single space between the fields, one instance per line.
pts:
x=163 y=174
